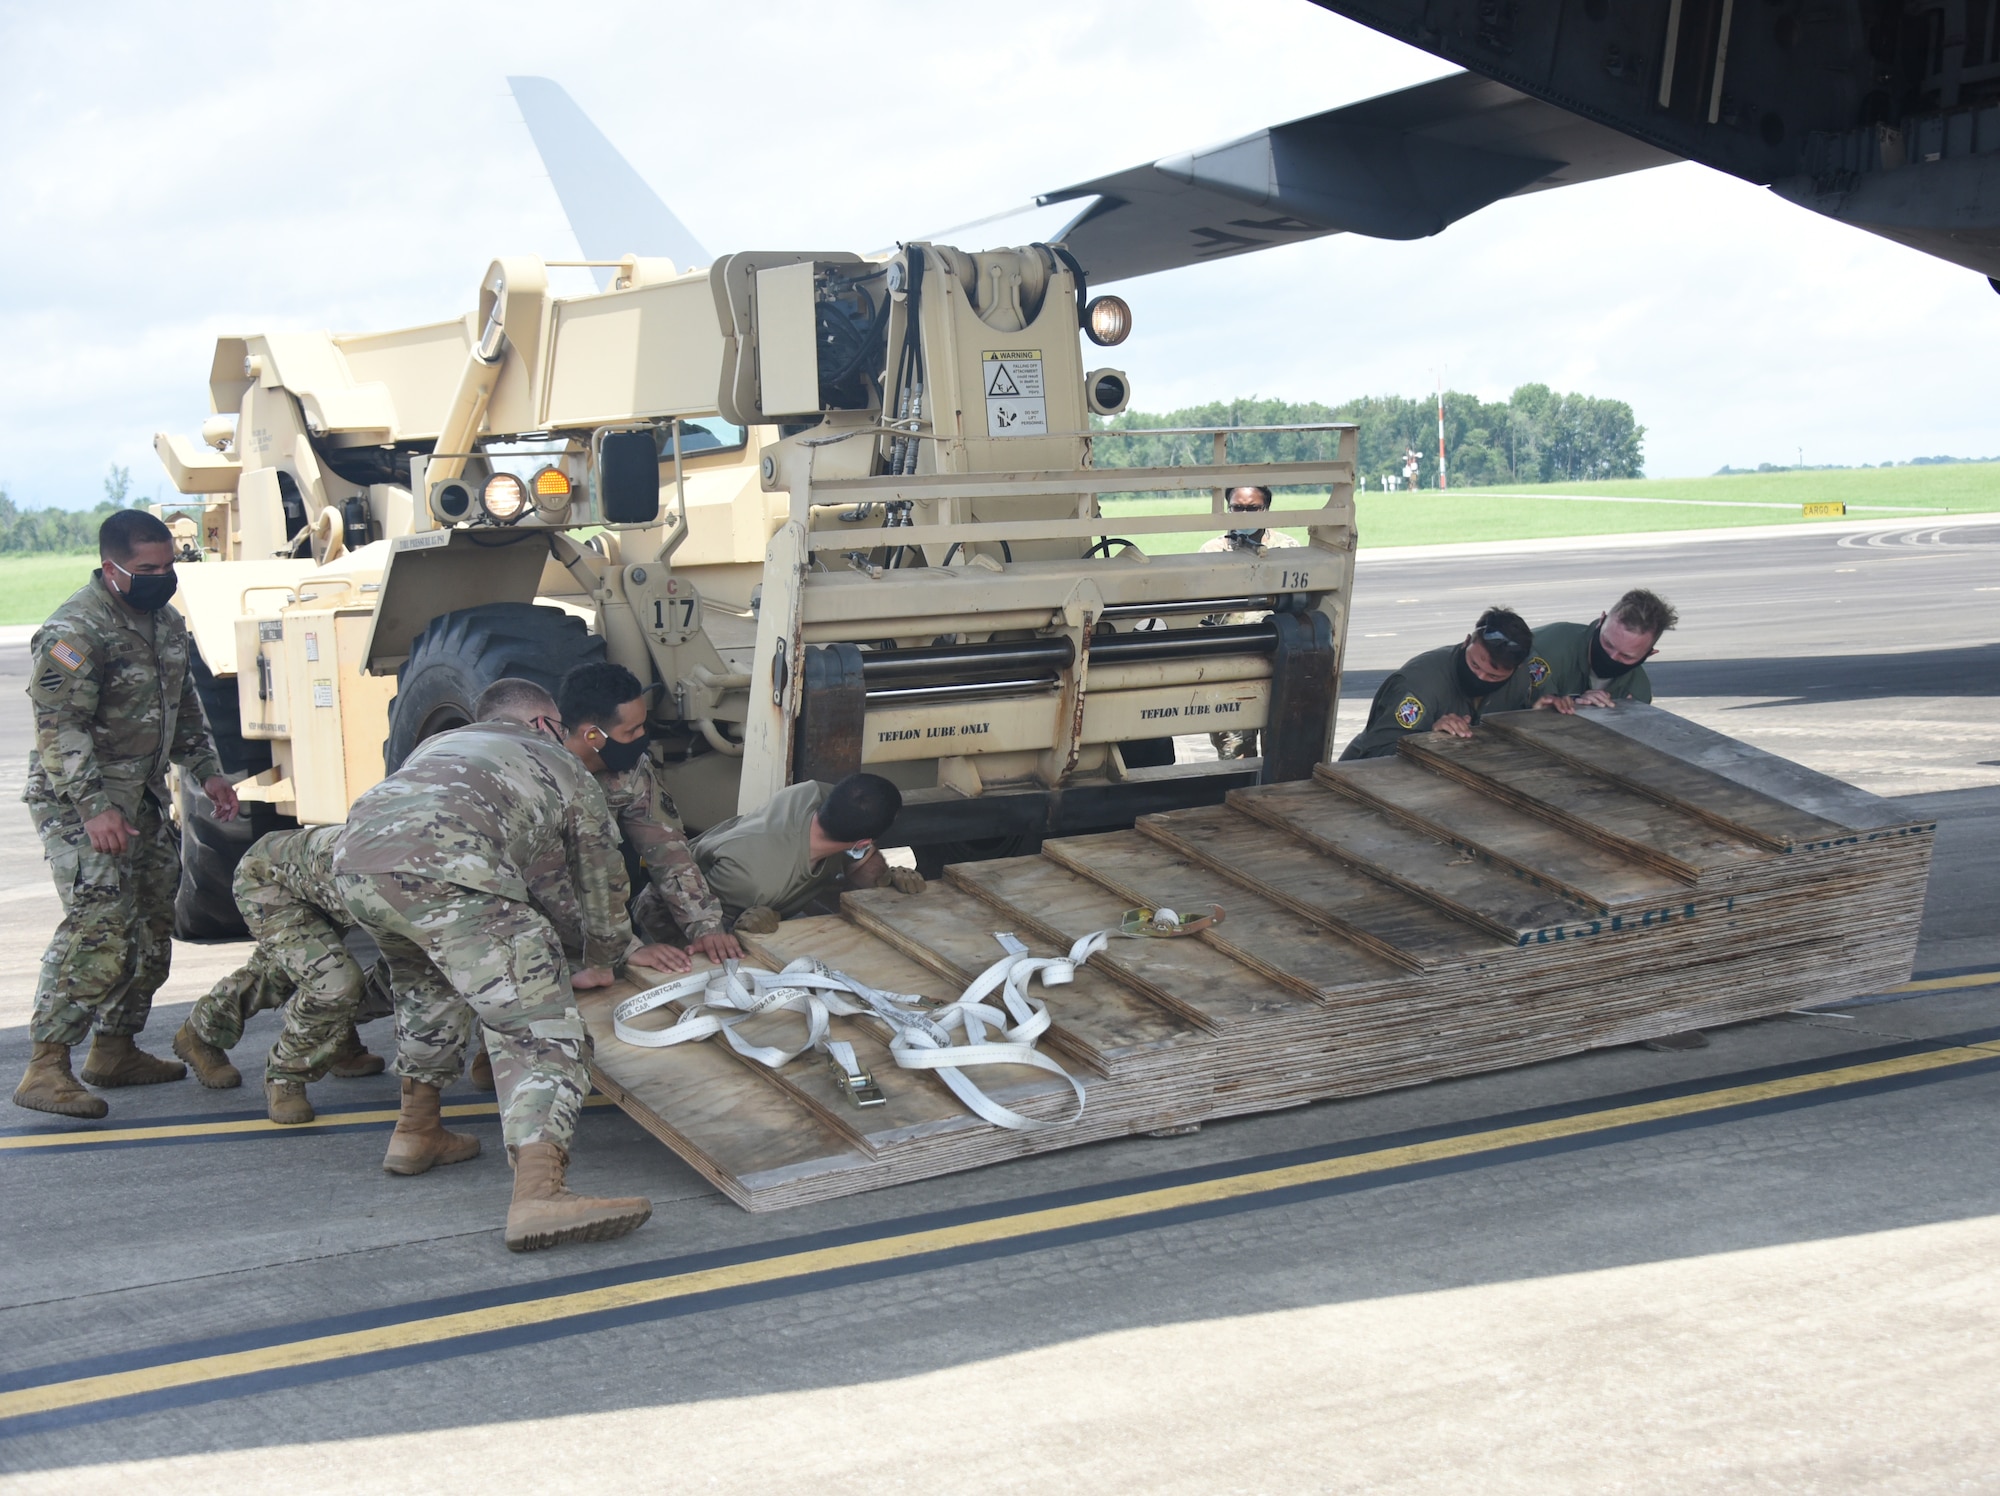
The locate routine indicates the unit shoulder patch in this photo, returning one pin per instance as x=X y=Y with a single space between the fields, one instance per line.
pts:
x=1538 y=671
x=1409 y=712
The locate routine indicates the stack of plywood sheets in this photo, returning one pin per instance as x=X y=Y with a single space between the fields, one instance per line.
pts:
x=1549 y=885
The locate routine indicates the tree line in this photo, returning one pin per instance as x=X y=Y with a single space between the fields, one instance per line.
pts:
x=63 y=531
x=1536 y=435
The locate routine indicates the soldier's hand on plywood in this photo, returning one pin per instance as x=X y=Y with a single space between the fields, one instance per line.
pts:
x=661 y=957
x=717 y=947
x=1452 y=725
x=592 y=976
x=906 y=880
x=760 y=920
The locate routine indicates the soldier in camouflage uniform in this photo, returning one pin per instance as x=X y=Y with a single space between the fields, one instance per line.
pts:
x=604 y=711
x=284 y=887
x=434 y=863
x=215 y=1024
x=114 y=706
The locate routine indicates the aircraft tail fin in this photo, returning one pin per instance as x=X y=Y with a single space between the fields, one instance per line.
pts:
x=611 y=209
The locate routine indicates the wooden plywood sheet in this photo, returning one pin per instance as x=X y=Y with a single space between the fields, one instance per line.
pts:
x=1281 y=867
x=1584 y=870
x=1629 y=823
x=1496 y=899
x=1779 y=778
x=1258 y=931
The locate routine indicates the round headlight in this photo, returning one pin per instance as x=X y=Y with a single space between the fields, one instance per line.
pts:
x=551 y=489
x=1107 y=321
x=451 y=501
x=505 y=499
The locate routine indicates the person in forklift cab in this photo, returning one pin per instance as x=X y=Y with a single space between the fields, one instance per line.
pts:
x=1448 y=690
x=1250 y=505
x=773 y=863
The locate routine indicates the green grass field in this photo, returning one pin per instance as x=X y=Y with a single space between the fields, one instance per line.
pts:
x=31 y=586
x=1428 y=517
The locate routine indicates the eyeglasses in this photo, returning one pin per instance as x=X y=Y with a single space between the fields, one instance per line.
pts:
x=1495 y=636
x=550 y=725
x=1248 y=509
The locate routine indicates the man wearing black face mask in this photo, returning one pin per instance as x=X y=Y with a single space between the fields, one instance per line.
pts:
x=604 y=713
x=114 y=706
x=1448 y=690
x=1597 y=664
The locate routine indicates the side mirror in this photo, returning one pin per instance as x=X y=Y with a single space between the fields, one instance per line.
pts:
x=628 y=477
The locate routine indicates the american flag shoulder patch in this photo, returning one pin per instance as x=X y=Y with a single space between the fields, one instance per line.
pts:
x=65 y=654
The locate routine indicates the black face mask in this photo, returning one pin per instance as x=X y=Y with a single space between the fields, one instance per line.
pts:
x=617 y=756
x=1244 y=539
x=1601 y=664
x=1470 y=684
x=148 y=594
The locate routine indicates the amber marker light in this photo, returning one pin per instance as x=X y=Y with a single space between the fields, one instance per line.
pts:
x=1107 y=321
x=552 y=491
x=505 y=499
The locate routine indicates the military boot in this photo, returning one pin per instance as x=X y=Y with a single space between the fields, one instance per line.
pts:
x=545 y=1214
x=480 y=1076
x=210 y=1064
x=285 y=1100
x=49 y=1087
x=114 y=1060
x=420 y=1140
x=355 y=1059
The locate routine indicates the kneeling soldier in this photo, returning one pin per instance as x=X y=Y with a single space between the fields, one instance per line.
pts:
x=284 y=887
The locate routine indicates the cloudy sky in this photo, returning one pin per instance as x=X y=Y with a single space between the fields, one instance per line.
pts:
x=171 y=174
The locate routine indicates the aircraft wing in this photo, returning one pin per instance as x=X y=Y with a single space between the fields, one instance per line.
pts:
x=1400 y=166
x=611 y=210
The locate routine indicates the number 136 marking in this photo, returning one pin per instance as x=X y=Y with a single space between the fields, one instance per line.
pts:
x=1294 y=581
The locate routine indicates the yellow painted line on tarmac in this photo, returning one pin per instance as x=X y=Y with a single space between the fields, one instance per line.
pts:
x=1940 y=984
x=79 y=1391
x=144 y=1133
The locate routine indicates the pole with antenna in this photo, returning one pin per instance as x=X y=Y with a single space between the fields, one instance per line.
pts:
x=1440 y=389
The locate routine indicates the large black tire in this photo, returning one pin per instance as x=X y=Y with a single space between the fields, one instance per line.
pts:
x=458 y=655
x=204 y=904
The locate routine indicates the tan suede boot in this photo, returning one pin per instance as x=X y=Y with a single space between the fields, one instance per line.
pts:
x=355 y=1058
x=114 y=1060
x=545 y=1214
x=285 y=1101
x=210 y=1065
x=49 y=1087
x=480 y=1076
x=420 y=1140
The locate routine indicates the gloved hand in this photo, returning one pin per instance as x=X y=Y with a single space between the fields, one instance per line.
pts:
x=906 y=880
x=760 y=920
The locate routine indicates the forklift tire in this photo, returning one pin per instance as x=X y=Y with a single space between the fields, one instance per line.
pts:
x=205 y=903
x=458 y=655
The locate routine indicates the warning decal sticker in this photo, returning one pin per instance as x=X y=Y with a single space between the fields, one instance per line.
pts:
x=1015 y=402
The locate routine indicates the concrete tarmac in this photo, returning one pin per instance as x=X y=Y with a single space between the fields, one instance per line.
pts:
x=1772 y=1295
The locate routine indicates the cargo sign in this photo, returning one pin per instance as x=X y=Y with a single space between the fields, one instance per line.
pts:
x=1016 y=404
x=1824 y=511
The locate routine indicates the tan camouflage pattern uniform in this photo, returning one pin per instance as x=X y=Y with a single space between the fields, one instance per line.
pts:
x=675 y=905
x=1241 y=743
x=285 y=888
x=435 y=862
x=114 y=707
x=765 y=858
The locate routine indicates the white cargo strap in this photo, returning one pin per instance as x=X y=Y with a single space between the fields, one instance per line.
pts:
x=946 y=1041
